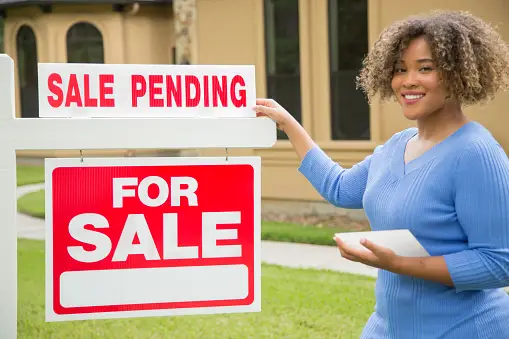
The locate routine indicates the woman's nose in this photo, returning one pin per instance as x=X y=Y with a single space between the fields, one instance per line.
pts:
x=410 y=79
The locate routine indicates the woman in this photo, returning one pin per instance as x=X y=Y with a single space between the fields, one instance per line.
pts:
x=447 y=180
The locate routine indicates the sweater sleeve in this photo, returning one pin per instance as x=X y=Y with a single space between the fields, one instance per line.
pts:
x=482 y=208
x=339 y=186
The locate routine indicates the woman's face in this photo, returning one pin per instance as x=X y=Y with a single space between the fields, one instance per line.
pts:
x=416 y=82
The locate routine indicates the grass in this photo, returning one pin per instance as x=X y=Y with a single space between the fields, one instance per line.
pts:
x=29 y=174
x=32 y=204
x=284 y=232
x=296 y=303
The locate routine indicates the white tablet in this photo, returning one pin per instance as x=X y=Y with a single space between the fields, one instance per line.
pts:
x=402 y=242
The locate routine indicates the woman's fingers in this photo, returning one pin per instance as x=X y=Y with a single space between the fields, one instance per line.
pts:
x=262 y=101
x=265 y=110
x=271 y=109
x=266 y=102
x=260 y=114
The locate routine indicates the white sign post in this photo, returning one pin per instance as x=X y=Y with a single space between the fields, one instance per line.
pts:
x=99 y=117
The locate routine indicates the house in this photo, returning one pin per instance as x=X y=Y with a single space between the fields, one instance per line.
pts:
x=306 y=52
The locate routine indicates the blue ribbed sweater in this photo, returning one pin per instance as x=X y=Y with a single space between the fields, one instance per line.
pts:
x=455 y=200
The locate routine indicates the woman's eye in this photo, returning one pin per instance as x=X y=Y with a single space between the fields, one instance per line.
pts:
x=398 y=70
x=426 y=69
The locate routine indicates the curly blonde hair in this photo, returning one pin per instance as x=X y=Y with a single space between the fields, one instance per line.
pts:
x=470 y=55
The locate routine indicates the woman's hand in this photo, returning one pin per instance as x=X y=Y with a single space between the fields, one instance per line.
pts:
x=270 y=108
x=375 y=255
x=431 y=268
x=300 y=139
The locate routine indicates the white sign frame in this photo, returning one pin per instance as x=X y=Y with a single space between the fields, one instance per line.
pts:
x=108 y=133
x=51 y=164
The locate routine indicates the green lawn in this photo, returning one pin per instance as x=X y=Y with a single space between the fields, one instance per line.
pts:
x=277 y=231
x=296 y=303
x=29 y=174
x=32 y=204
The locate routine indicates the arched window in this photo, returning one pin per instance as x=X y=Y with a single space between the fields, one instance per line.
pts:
x=84 y=44
x=26 y=47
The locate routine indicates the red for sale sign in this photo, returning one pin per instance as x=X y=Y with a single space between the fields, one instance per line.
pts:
x=134 y=237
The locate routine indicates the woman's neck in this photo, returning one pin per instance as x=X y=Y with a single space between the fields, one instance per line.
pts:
x=441 y=124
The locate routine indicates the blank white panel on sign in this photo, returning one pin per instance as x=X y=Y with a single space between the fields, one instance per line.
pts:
x=126 y=90
x=153 y=285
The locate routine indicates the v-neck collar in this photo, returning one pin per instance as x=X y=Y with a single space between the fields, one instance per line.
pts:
x=398 y=167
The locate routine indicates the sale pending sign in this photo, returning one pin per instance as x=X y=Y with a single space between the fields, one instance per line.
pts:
x=122 y=90
x=129 y=237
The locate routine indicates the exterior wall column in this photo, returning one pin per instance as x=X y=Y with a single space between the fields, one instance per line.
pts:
x=185 y=31
x=184 y=18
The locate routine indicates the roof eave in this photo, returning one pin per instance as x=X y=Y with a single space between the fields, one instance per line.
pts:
x=6 y=4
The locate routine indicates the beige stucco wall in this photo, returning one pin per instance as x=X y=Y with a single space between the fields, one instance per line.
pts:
x=232 y=32
x=149 y=36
